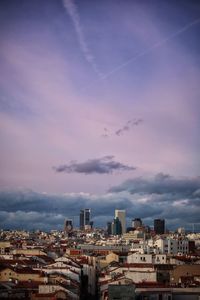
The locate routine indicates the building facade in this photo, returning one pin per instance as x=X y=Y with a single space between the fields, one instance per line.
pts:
x=68 y=226
x=137 y=222
x=116 y=226
x=109 y=228
x=85 y=217
x=159 y=226
x=121 y=215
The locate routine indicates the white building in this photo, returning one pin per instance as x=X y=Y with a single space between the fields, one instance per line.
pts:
x=52 y=288
x=172 y=245
x=138 y=258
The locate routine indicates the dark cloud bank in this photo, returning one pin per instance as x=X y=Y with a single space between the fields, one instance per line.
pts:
x=175 y=199
x=104 y=165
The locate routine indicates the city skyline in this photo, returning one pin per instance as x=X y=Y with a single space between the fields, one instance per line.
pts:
x=99 y=108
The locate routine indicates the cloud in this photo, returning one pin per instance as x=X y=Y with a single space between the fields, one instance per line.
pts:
x=128 y=126
x=30 y=210
x=105 y=133
x=31 y=220
x=72 y=10
x=120 y=131
x=163 y=196
x=161 y=184
x=104 y=165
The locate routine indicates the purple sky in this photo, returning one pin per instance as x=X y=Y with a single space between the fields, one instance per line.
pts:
x=95 y=93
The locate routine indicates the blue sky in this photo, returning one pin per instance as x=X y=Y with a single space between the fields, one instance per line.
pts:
x=95 y=94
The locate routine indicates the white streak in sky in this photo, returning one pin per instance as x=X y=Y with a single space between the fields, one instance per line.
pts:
x=72 y=10
x=156 y=45
x=144 y=52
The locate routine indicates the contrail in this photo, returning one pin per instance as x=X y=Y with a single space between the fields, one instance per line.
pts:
x=148 y=50
x=72 y=10
x=156 y=45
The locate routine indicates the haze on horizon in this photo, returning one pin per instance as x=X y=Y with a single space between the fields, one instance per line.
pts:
x=99 y=108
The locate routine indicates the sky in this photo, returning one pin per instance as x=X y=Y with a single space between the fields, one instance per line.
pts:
x=99 y=108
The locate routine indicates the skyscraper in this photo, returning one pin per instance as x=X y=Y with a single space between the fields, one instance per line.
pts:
x=68 y=226
x=159 y=226
x=109 y=228
x=121 y=215
x=85 y=215
x=137 y=222
x=81 y=219
x=116 y=226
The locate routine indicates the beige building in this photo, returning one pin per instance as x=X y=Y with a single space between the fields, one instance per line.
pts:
x=21 y=274
x=29 y=252
x=182 y=271
x=4 y=247
x=108 y=259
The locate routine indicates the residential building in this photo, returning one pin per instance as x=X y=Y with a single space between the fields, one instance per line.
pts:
x=170 y=245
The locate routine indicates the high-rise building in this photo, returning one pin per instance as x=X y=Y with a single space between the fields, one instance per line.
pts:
x=121 y=214
x=159 y=226
x=68 y=226
x=85 y=215
x=137 y=222
x=116 y=226
x=81 y=219
x=109 y=228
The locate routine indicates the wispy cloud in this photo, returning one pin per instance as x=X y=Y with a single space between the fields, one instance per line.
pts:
x=128 y=126
x=120 y=131
x=105 y=132
x=104 y=165
x=72 y=10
